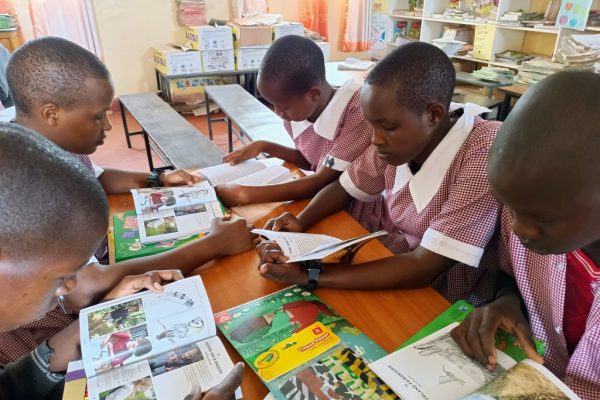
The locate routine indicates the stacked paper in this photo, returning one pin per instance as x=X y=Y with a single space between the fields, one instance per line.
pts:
x=191 y=12
x=533 y=71
x=579 y=52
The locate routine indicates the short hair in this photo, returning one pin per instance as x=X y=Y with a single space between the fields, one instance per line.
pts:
x=296 y=62
x=49 y=199
x=420 y=73
x=51 y=70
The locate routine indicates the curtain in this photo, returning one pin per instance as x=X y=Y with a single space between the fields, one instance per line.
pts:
x=69 y=19
x=357 y=26
x=7 y=7
x=314 y=16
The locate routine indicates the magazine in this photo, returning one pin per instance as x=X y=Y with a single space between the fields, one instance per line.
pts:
x=302 y=349
x=168 y=213
x=436 y=368
x=152 y=346
x=250 y=173
x=298 y=246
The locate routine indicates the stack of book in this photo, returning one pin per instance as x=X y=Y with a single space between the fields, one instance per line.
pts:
x=581 y=52
x=191 y=12
x=520 y=17
x=533 y=71
x=493 y=74
x=513 y=57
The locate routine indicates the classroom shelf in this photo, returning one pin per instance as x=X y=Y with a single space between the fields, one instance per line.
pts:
x=526 y=29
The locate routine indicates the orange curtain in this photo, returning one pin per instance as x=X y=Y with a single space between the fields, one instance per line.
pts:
x=6 y=6
x=314 y=16
x=357 y=26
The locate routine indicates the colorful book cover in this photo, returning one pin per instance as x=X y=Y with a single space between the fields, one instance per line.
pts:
x=260 y=329
x=127 y=243
x=457 y=313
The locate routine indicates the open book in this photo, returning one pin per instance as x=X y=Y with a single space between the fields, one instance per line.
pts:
x=436 y=368
x=310 y=246
x=162 y=345
x=249 y=173
x=167 y=213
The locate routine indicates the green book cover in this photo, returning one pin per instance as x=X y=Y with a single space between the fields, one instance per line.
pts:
x=127 y=243
x=457 y=313
x=255 y=328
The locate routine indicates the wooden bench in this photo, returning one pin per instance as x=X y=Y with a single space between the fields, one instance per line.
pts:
x=177 y=142
x=254 y=120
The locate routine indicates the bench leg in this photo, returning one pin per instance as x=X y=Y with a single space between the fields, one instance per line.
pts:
x=504 y=108
x=125 y=129
x=208 y=119
x=230 y=134
x=148 y=150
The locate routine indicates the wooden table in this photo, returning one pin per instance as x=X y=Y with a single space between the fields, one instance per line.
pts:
x=337 y=78
x=466 y=77
x=510 y=92
x=388 y=317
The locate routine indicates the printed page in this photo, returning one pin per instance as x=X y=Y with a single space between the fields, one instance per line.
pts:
x=124 y=331
x=435 y=368
x=294 y=244
x=152 y=200
x=225 y=173
x=267 y=176
x=325 y=251
x=526 y=380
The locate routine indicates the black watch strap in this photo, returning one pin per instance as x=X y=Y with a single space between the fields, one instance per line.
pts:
x=314 y=268
x=153 y=179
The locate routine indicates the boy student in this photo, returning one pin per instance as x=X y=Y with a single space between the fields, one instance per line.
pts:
x=35 y=269
x=424 y=177
x=63 y=91
x=326 y=124
x=544 y=167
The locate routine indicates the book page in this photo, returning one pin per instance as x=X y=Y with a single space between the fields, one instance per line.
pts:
x=168 y=376
x=151 y=200
x=267 y=176
x=295 y=244
x=526 y=380
x=435 y=368
x=350 y=245
x=121 y=332
x=225 y=173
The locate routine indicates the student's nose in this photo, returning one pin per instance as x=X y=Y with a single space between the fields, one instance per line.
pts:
x=377 y=138
x=279 y=111
x=107 y=125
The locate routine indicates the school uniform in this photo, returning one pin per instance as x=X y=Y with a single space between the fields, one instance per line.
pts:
x=562 y=297
x=446 y=206
x=339 y=135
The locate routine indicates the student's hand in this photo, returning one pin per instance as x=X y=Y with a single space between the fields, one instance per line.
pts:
x=224 y=390
x=285 y=222
x=233 y=195
x=270 y=252
x=251 y=150
x=179 y=177
x=476 y=334
x=290 y=273
x=66 y=347
x=233 y=237
x=152 y=281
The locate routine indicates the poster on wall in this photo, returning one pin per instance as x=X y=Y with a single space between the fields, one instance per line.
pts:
x=574 y=14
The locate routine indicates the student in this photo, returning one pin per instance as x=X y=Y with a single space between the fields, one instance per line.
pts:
x=63 y=91
x=544 y=167
x=326 y=124
x=424 y=177
x=35 y=269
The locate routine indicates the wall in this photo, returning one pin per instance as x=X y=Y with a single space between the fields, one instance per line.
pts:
x=22 y=10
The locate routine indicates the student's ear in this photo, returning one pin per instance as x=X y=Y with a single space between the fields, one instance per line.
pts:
x=435 y=113
x=66 y=287
x=49 y=114
x=314 y=93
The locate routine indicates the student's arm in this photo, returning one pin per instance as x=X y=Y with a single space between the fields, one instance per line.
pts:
x=476 y=334
x=236 y=195
x=253 y=149
x=116 y=181
x=225 y=238
x=224 y=390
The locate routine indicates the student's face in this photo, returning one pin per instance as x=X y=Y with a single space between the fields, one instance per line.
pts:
x=82 y=128
x=289 y=108
x=547 y=218
x=399 y=134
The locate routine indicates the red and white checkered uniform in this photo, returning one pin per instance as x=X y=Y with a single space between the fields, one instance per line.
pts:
x=541 y=280
x=338 y=136
x=23 y=340
x=446 y=207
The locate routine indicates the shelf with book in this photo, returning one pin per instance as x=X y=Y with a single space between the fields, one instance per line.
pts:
x=504 y=64
x=527 y=29
x=470 y=59
x=452 y=21
x=403 y=16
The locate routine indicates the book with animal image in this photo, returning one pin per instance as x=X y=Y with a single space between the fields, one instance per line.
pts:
x=298 y=246
x=436 y=368
x=250 y=173
x=126 y=238
x=152 y=346
x=302 y=349
x=168 y=213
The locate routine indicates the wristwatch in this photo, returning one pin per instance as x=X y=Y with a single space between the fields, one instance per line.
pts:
x=314 y=268
x=153 y=180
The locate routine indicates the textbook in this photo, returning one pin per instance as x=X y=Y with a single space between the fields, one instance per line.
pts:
x=436 y=368
x=152 y=346
x=302 y=349
x=249 y=173
x=167 y=213
x=298 y=246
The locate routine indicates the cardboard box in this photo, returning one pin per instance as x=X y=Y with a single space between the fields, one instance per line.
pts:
x=249 y=57
x=217 y=60
x=256 y=35
x=287 y=28
x=173 y=61
x=325 y=48
x=208 y=37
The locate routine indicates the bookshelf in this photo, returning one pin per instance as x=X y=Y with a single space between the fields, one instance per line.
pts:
x=537 y=41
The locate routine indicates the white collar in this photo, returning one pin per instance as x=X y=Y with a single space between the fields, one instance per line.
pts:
x=425 y=184
x=325 y=126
